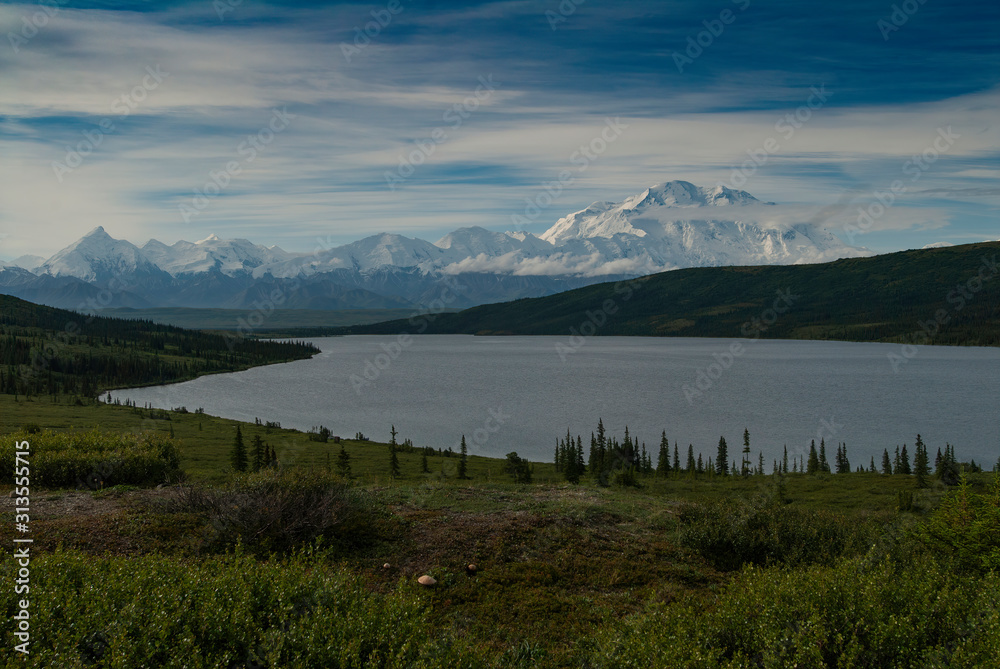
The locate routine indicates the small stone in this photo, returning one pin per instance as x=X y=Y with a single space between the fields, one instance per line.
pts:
x=386 y=566
x=426 y=581
x=472 y=569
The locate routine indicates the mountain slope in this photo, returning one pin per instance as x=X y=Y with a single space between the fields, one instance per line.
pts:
x=883 y=298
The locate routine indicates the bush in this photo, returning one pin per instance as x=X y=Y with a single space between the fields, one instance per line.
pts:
x=917 y=614
x=966 y=528
x=272 y=511
x=730 y=534
x=231 y=611
x=93 y=459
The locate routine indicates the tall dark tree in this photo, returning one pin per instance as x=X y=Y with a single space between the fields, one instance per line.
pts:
x=745 y=466
x=784 y=461
x=921 y=465
x=872 y=466
x=344 y=462
x=824 y=466
x=904 y=462
x=886 y=462
x=663 y=459
x=463 y=460
x=238 y=454
x=692 y=466
x=722 y=457
x=393 y=458
x=259 y=454
x=677 y=459
x=813 y=466
x=760 y=463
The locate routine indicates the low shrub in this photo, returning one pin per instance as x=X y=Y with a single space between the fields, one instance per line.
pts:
x=94 y=459
x=730 y=534
x=273 y=511
x=223 y=611
x=917 y=614
x=966 y=528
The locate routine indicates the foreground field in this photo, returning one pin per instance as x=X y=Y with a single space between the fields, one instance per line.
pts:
x=295 y=566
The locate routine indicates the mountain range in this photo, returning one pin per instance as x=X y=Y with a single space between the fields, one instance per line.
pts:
x=667 y=226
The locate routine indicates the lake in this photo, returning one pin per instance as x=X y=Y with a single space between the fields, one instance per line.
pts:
x=522 y=393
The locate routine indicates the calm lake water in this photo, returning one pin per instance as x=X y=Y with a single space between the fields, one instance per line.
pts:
x=522 y=393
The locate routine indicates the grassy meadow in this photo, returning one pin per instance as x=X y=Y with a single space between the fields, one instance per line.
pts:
x=297 y=566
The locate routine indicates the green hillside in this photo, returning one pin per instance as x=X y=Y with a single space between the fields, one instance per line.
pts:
x=47 y=351
x=934 y=296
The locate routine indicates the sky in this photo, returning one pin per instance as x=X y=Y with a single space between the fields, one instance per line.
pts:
x=305 y=123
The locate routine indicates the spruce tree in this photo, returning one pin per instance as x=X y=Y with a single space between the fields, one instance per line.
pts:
x=677 y=459
x=760 y=463
x=580 y=464
x=824 y=466
x=886 y=463
x=393 y=459
x=904 y=462
x=238 y=455
x=691 y=466
x=722 y=457
x=921 y=466
x=872 y=467
x=344 y=462
x=813 y=465
x=701 y=465
x=463 y=460
x=663 y=459
x=784 y=461
x=259 y=454
x=745 y=468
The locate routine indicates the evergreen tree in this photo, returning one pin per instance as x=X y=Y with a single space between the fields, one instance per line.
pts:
x=259 y=454
x=824 y=466
x=701 y=465
x=886 y=463
x=937 y=463
x=813 y=465
x=677 y=459
x=463 y=460
x=921 y=466
x=238 y=455
x=784 y=461
x=344 y=462
x=897 y=464
x=760 y=463
x=580 y=464
x=904 y=462
x=745 y=468
x=393 y=459
x=663 y=459
x=722 y=457
x=872 y=468
x=691 y=466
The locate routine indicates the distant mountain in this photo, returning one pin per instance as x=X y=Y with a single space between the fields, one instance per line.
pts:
x=27 y=262
x=667 y=226
x=911 y=296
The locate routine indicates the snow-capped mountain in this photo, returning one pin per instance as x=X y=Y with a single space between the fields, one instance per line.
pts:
x=677 y=224
x=667 y=226
x=28 y=262
x=228 y=256
x=97 y=258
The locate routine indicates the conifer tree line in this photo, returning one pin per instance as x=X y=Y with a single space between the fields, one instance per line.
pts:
x=608 y=455
x=261 y=454
x=47 y=351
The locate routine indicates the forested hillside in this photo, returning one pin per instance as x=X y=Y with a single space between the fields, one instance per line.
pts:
x=931 y=296
x=52 y=351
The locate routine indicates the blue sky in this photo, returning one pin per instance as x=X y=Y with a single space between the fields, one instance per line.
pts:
x=454 y=114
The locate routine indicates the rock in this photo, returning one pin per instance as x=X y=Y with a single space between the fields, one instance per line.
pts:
x=426 y=581
x=386 y=566
x=471 y=569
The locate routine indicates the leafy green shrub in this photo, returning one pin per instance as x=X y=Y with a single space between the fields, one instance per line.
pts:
x=224 y=611
x=918 y=614
x=966 y=528
x=94 y=459
x=272 y=511
x=730 y=534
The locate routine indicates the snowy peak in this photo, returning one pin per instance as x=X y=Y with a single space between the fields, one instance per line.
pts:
x=97 y=257
x=229 y=256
